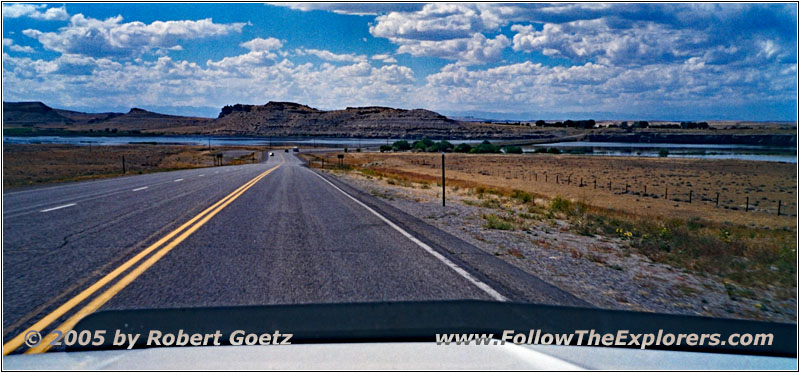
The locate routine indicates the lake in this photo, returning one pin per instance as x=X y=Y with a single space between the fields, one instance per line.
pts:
x=196 y=140
x=703 y=151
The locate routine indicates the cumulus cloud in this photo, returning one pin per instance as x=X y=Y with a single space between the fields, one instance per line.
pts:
x=359 y=9
x=648 y=58
x=261 y=44
x=474 y=50
x=9 y=43
x=112 y=37
x=330 y=56
x=40 y=11
x=385 y=58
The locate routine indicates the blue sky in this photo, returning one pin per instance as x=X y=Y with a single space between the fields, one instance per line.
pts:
x=513 y=61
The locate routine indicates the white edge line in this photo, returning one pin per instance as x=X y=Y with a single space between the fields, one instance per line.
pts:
x=177 y=180
x=59 y=207
x=480 y=284
x=138 y=189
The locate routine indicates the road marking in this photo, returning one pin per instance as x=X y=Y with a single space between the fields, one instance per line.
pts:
x=59 y=207
x=177 y=180
x=201 y=175
x=480 y=284
x=138 y=189
x=212 y=210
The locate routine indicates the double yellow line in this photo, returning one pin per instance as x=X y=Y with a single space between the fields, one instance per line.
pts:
x=187 y=229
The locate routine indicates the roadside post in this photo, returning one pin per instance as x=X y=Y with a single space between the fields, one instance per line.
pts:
x=443 y=179
x=123 y=164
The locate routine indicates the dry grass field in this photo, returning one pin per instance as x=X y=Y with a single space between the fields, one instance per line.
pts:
x=755 y=249
x=633 y=185
x=40 y=163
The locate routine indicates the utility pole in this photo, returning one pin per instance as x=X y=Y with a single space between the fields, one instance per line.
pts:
x=443 y=189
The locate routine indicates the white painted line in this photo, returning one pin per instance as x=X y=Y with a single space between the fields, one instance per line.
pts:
x=177 y=180
x=59 y=207
x=138 y=189
x=201 y=175
x=480 y=284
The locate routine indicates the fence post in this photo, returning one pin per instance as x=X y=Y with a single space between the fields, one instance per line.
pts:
x=666 y=192
x=690 y=196
x=595 y=183
x=717 y=202
x=779 y=207
x=747 y=204
x=645 y=189
x=123 y=164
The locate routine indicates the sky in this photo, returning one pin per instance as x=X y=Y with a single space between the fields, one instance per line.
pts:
x=666 y=61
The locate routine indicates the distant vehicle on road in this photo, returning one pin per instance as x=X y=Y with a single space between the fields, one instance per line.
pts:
x=295 y=149
x=271 y=154
x=286 y=150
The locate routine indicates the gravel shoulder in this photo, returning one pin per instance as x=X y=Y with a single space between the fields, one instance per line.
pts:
x=600 y=270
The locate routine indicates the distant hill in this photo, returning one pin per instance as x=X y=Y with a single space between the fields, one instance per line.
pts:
x=292 y=119
x=31 y=113
x=271 y=119
x=39 y=115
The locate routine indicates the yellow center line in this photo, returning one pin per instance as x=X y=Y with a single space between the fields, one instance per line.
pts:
x=17 y=341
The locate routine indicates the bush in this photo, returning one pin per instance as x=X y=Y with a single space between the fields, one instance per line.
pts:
x=554 y=150
x=424 y=145
x=444 y=146
x=485 y=147
x=522 y=196
x=495 y=222
x=462 y=148
x=386 y=148
x=663 y=153
x=560 y=204
x=401 y=145
x=513 y=150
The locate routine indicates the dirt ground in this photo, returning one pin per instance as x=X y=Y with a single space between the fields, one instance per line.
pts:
x=40 y=163
x=630 y=184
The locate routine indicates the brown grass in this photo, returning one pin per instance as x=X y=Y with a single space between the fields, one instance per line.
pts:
x=40 y=163
x=765 y=183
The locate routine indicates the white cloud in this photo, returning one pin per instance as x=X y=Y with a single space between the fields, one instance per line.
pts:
x=475 y=50
x=112 y=37
x=260 y=44
x=16 y=10
x=359 y=9
x=385 y=58
x=9 y=43
x=330 y=56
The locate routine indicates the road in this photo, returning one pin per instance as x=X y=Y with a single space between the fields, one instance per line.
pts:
x=269 y=233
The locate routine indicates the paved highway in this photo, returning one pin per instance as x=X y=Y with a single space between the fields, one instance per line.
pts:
x=268 y=233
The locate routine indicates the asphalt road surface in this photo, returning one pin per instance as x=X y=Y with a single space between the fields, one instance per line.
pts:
x=268 y=233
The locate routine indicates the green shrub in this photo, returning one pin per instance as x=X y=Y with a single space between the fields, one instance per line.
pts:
x=495 y=222
x=663 y=153
x=554 y=150
x=513 y=150
x=386 y=148
x=485 y=147
x=560 y=204
x=522 y=196
x=462 y=148
x=401 y=145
